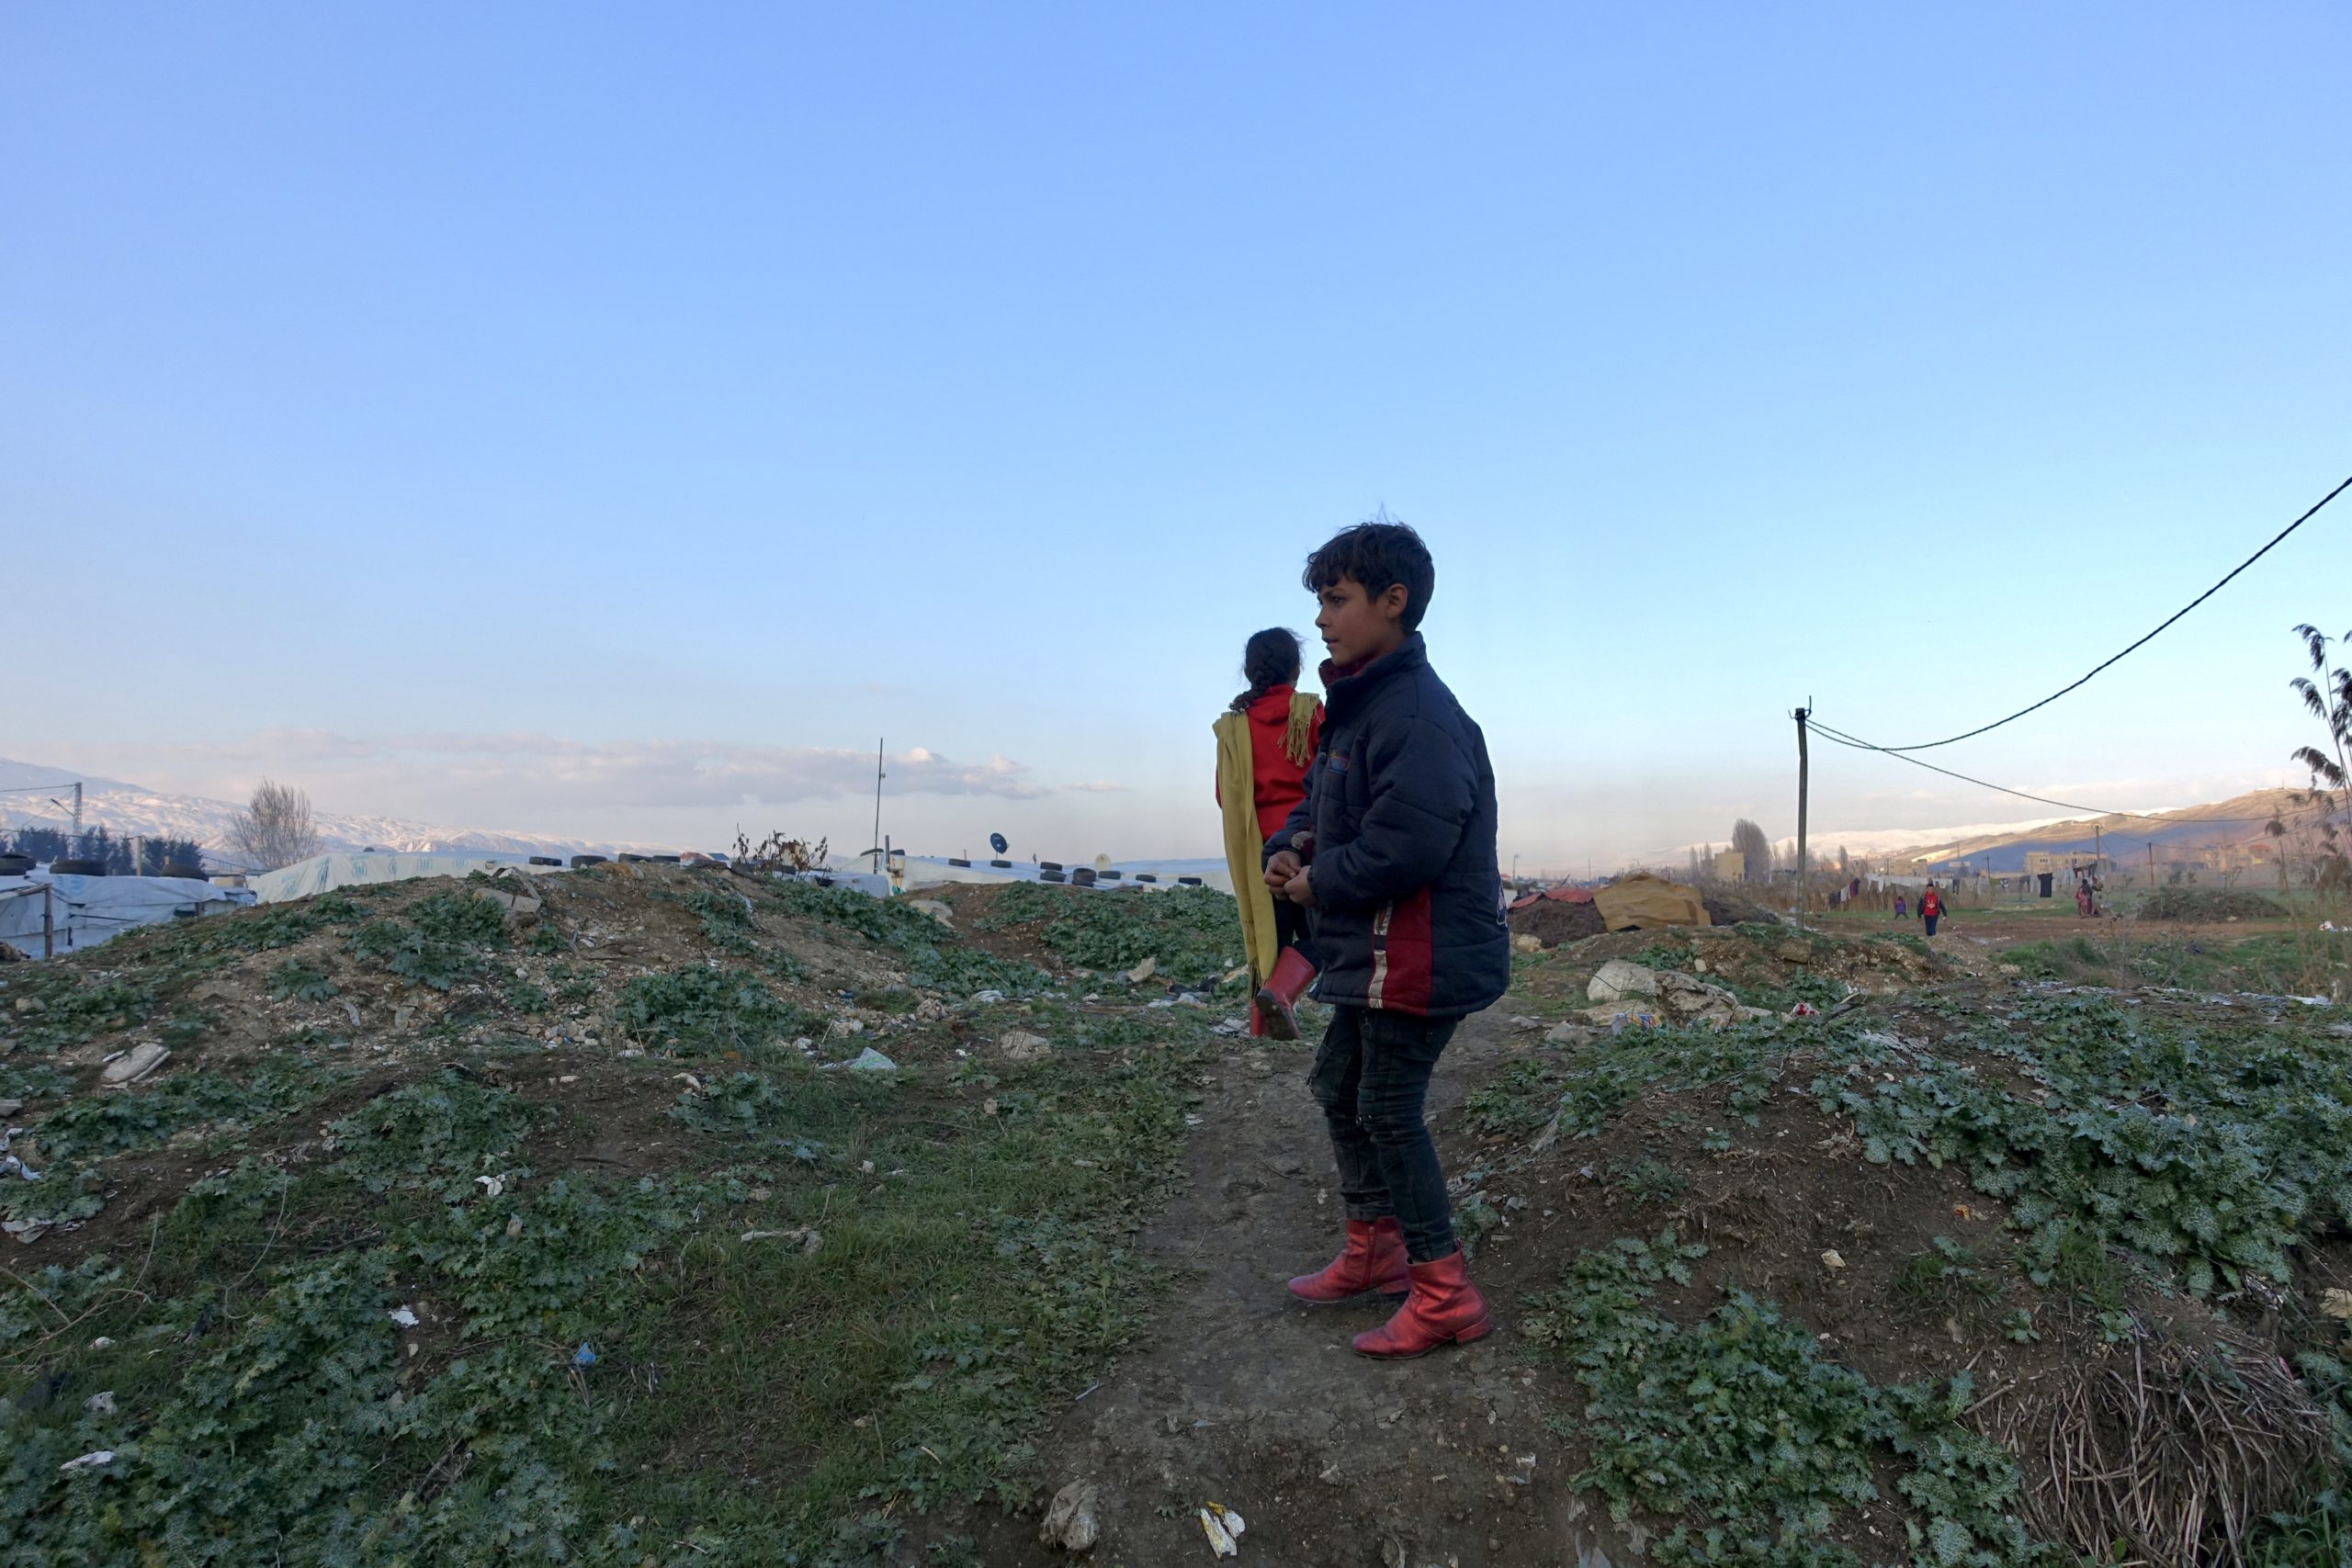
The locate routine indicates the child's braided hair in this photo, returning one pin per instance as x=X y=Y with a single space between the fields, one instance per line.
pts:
x=1269 y=658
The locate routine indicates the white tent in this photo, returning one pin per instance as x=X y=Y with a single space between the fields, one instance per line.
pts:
x=323 y=874
x=85 y=910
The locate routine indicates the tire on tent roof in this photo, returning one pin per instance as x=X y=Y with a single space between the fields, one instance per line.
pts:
x=545 y=860
x=14 y=865
x=1050 y=865
x=1051 y=876
x=182 y=869
x=1189 y=881
x=77 y=868
x=953 y=861
x=1082 y=877
x=579 y=861
x=1002 y=865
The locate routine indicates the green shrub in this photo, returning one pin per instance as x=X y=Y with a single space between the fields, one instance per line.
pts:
x=1737 y=1432
x=709 y=1010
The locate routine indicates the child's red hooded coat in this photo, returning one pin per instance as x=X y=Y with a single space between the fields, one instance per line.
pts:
x=1278 y=782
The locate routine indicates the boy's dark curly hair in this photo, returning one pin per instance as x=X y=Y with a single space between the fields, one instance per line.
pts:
x=1269 y=658
x=1377 y=554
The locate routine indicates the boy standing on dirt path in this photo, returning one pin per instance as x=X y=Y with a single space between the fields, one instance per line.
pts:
x=1392 y=853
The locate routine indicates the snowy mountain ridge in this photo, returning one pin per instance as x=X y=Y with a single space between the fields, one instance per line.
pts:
x=38 y=796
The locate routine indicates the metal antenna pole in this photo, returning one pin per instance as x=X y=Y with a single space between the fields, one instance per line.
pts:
x=878 y=776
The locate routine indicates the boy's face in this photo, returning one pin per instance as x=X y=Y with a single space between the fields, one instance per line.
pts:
x=1357 y=625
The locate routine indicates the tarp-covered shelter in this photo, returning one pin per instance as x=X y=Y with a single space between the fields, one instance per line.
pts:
x=324 y=874
x=85 y=910
x=1647 y=902
x=1553 y=895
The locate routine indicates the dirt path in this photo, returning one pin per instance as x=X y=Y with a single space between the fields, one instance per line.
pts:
x=1240 y=1395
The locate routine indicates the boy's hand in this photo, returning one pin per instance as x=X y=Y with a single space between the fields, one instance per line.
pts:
x=1282 y=869
x=1300 y=890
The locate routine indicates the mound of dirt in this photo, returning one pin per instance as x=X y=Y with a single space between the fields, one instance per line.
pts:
x=2209 y=904
x=1552 y=922
x=1726 y=908
x=1762 y=1159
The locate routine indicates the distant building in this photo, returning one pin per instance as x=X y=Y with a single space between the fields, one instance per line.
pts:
x=2065 y=862
x=1730 y=866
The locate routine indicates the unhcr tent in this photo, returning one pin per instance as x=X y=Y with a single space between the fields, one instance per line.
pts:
x=86 y=911
x=324 y=874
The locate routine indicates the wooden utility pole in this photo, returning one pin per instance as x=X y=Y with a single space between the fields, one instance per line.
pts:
x=1804 y=768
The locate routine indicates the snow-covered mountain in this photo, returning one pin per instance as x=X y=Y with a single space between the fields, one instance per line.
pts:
x=126 y=810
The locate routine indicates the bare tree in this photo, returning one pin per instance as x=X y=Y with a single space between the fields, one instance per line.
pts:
x=274 y=830
x=1749 y=840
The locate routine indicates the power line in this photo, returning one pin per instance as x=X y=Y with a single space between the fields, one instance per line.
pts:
x=2176 y=615
x=1841 y=738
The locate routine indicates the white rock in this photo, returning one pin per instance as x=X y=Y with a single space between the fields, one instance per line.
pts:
x=1019 y=1046
x=1071 y=1522
x=1618 y=979
x=136 y=1063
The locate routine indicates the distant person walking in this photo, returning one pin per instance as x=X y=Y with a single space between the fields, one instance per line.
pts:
x=2083 y=905
x=1265 y=739
x=1931 y=907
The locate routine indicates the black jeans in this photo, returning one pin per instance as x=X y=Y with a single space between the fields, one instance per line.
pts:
x=1371 y=1078
x=1290 y=928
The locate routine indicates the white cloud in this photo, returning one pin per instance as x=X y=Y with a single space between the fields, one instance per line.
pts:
x=521 y=771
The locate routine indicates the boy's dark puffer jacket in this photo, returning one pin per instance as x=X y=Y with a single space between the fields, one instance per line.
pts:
x=1398 y=830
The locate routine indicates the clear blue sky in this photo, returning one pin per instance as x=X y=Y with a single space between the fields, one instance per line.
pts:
x=490 y=413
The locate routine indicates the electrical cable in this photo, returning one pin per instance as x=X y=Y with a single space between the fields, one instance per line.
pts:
x=2176 y=615
x=2171 y=818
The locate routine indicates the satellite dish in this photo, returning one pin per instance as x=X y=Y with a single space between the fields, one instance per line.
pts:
x=996 y=842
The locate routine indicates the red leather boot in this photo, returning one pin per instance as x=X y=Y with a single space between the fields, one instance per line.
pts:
x=1373 y=1258
x=1444 y=1308
x=1292 y=973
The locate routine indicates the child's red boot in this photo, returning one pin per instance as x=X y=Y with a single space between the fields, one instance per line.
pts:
x=1444 y=1308
x=1373 y=1258
x=1279 y=995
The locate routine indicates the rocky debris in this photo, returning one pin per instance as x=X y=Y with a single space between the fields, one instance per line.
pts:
x=1668 y=995
x=1019 y=1046
x=1527 y=941
x=1618 y=979
x=1143 y=971
x=1071 y=1522
x=808 y=1238
x=136 y=1063
x=935 y=909
x=866 y=1061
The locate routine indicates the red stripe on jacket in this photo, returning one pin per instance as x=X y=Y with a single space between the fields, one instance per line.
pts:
x=1403 y=957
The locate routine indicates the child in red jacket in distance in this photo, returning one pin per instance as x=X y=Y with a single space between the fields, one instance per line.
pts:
x=1282 y=735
